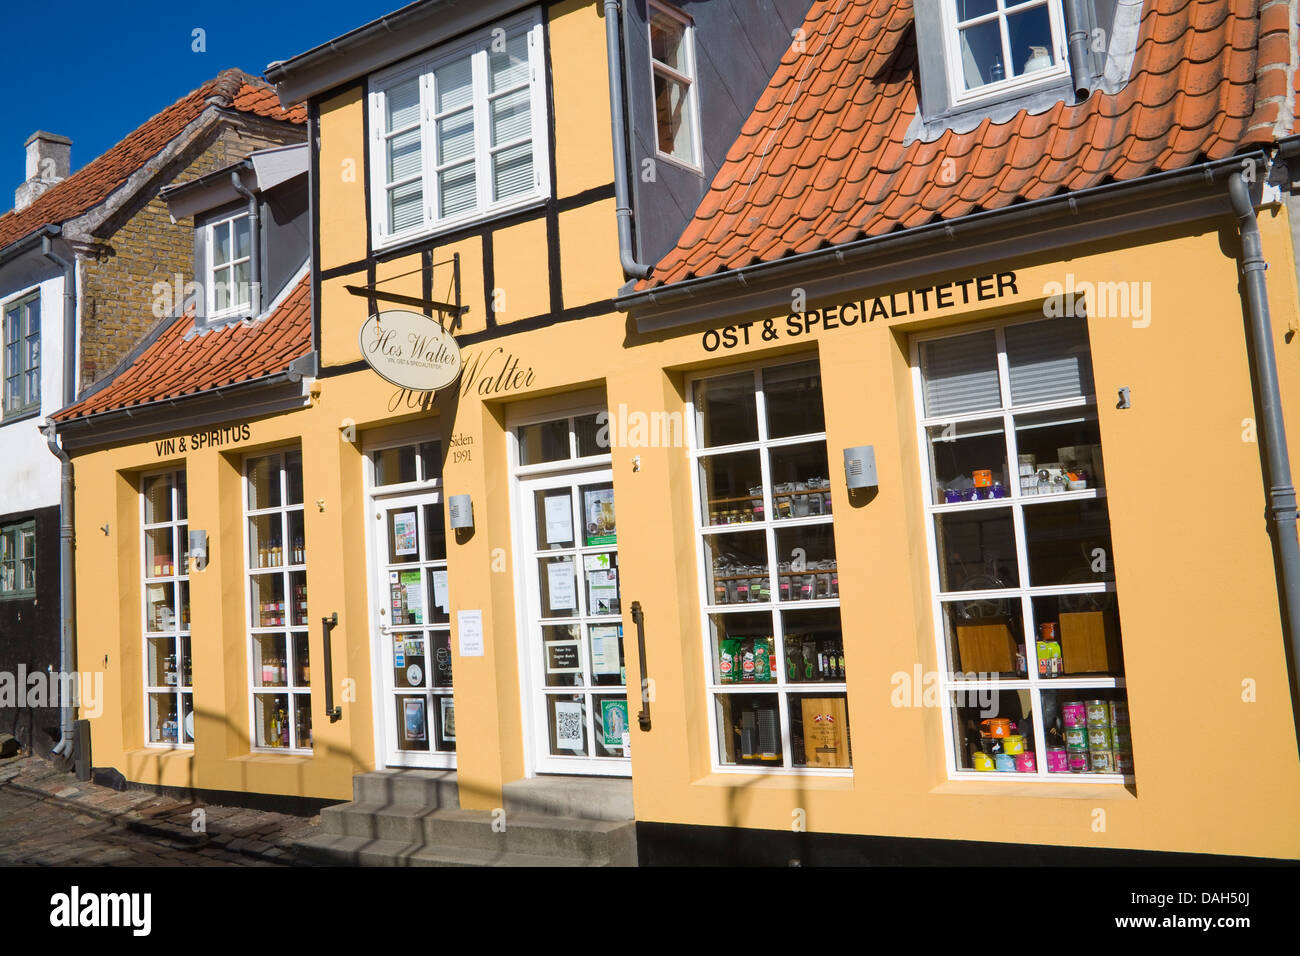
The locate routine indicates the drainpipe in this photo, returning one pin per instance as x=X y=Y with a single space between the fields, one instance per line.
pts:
x=1281 y=492
x=618 y=121
x=67 y=612
x=1077 y=39
x=255 y=233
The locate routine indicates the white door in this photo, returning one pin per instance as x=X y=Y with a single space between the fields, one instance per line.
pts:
x=576 y=676
x=412 y=626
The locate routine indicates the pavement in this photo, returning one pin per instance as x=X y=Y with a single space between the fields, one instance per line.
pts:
x=50 y=818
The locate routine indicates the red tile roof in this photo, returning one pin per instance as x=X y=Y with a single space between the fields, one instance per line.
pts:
x=822 y=159
x=181 y=361
x=96 y=181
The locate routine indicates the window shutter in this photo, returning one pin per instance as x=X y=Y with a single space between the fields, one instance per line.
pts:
x=960 y=374
x=1049 y=361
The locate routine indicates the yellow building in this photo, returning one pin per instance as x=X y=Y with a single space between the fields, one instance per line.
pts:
x=960 y=403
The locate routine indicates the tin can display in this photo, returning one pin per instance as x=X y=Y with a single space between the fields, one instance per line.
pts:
x=1026 y=762
x=1099 y=738
x=1121 y=740
x=1101 y=761
x=1078 y=761
x=1098 y=713
x=1118 y=713
x=1057 y=761
x=1074 y=714
x=1048 y=631
x=1124 y=764
x=1050 y=663
x=981 y=761
x=1076 y=738
x=1013 y=744
x=982 y=478
x=1005 y=762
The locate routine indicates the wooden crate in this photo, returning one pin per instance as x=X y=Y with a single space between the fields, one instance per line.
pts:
x=825 y=732
x=1090 y=642
x=989 y=648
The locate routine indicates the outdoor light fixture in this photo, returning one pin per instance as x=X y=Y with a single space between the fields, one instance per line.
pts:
x=860 y=467
x=461 y=511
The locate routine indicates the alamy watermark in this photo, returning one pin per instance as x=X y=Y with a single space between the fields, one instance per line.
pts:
x=1102 y=300
x=39 y=689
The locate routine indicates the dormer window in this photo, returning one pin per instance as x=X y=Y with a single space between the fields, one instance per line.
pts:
x=999 y=46
x=230 y=257
x=672 y=63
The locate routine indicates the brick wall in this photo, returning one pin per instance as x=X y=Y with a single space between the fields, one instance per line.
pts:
x=147 y=248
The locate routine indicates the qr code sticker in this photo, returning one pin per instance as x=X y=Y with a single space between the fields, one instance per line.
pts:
x=568 y=727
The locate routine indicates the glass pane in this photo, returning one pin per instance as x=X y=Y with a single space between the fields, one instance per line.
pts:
x=444 y=718
x=512 y=171
x=395 y=465
x=266 y=541
x=187 y=662
x=405 y=206
x=562 y=655
x=1087 y=731
x=182 y=505
x=160 y=607
x=806 y=569
x=672 y=120
x=221 y=293
x=985 y=639
x=600 y=572
x=559 y=586
x=187 y=720
x=726 y=410
x=819 y=731
x=431 y=459
x=744 y=649
x=1030 y=33
x=970 y=9
x=435 y=533
x=668 y=41
x=613 y=732
x=163 y=725
x=264 y=482
x=605 y=654
x=302 y=719
x=185 y=605
x=242 y=291
x=511 y=117
x=736 y=566
x=406 y=597
x=977 y=550
x=455 y=137
x=410 y=662
x=412 y=721
x=403 y=535
x=221 y=243
x=1078 y=635
x=1068 y=542
x=800 y=488
x=814 y=646
x=404 y=155
x=271 y=720
x=994 y=730
x=157 y=499
x=567 y=720
x=454 y=85
x=160 y=662
x=243 y=235
x=1049 y=361
x=439 y=609
x=592 y=434
x=270 y=661
x=298 y=594
x=1059 y=451
x=508 y=67
x=733 y=488
x=293 y=477
x=598 y=517
x=960 y=374
x=749 y=729
x=295 y=551
x=268 y=600
x=968 y=461
x=793 y=397
x=554 y=518
x=159 y=557
x=402 y=104
x=441 y=664
x=545 y=441
x=981 y=55
x=456 y=189
x=301 y=659
x=34 y=317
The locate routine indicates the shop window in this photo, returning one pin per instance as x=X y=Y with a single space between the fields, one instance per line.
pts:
x=418 y=463
x=771 y=581
x=22 y=356
x=997 y=46
x=672 y=65
x=18 y=561
x=229 y=267
x=460 y=134
x=165 y=580
x=1026 y=611
x=276 y=555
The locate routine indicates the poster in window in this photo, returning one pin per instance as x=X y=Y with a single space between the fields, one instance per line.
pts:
x=598 y=511
x=562 y=657
x=603 y=591
x=448 y=712
x=560 y=588
x=404 y=534
x=568 y=725
x=613 y=717
x=414 y=727
x=413 y=597
x=440 y=600
x=605 y=656
x=559 y=519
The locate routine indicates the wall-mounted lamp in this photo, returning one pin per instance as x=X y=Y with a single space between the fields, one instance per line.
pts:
x=199 y=549
x=860 y=467
x=461 y=511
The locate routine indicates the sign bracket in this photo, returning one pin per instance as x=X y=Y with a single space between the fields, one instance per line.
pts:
x=453 y=308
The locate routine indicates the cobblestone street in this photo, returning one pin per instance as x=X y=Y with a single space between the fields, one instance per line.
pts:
x=49 y=818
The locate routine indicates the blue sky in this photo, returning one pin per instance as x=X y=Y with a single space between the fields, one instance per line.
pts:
x=93 y=70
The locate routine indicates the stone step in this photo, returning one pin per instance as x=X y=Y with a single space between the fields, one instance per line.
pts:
x=590 y=842
x=433 y=789
x=334 y=850
x=583 y=798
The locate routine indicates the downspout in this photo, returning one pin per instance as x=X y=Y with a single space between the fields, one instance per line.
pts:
x=255 y=232
x=618 y=122
x=67 y=612
x=1076 y=26
x=1281 y=492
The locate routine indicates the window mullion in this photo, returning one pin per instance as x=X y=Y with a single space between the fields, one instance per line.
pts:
x=482 y=130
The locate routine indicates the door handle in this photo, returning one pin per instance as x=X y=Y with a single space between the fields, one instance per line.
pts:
x=329 y=623
x=643 y=716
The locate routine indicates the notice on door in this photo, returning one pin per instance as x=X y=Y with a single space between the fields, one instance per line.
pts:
x=440 y=591
x=469 y=632
x=562 y=595
x=559 y=519
x=404 y=533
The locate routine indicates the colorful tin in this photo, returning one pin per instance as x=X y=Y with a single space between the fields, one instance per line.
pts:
x=1048 y=631
x=1005 y=762
x=1118 y=713
x=1099 y=738
x=1101 y=761
x=1121 y=740
x=982 y=478
x=1076 y=738
x=1077 y=760
x=982 y=761
x=1013 y=744
x=1124 y=764
x=1098 y=713
x=1074 y=714
x=1057 y=761
x=1026 y=762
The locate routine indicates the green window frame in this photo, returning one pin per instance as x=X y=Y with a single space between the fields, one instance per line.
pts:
x=18 y=561
x=22 y=356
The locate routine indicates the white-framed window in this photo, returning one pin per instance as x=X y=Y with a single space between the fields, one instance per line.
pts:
x=1022 y=571
x=229 y=267
x=769 y=579
x=165 y=609
x=276 y=560
x=22 y=355
x=18 y=561
x=460 y=134
x=994 y=46
x=673 y=78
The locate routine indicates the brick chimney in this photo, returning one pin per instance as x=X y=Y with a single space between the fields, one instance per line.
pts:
x=49 y=160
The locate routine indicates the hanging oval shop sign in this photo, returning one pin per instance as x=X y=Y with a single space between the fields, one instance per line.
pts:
x=410 y=350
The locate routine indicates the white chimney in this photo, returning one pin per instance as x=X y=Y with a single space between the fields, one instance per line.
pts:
x=49 y=160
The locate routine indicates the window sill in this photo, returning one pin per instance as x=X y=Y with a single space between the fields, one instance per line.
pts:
x=17 y=596
x=1032 y=788
x=679 y=163
x=392 y=243
x=266 y=756
x=13 y=418
x=163 y=750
